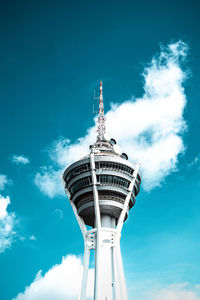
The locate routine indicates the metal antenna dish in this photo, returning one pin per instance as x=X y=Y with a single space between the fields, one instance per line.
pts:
x=113 y=141
x=125 y=156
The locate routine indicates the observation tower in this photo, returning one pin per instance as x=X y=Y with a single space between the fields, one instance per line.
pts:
x=102 y=188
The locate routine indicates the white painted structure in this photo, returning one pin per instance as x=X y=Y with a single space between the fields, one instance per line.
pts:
x=102 y=188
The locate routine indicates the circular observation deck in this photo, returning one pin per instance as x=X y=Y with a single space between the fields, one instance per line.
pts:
x=114 y=175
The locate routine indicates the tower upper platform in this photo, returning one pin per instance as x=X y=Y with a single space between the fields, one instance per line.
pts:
x=114 y=174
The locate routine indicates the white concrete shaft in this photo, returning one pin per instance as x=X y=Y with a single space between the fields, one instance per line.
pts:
x=107 y=221
x=109 y=282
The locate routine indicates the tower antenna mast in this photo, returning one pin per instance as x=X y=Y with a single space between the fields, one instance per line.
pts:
x=101 y=129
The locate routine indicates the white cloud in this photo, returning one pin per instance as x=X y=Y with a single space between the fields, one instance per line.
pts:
x=32 y=238
x=49 y=181
x=149 y=129
x=58 y=213
x=7 y=221
x=194 y=162
x=3 y=206
x=160 y=288
x=183 y=291
x=20 y=159
x=3 y=181
x=61 y=282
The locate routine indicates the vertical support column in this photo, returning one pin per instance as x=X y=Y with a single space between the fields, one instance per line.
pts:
x=80 y=221
x=98 y=227
x=121 y=291
x=103 y=289
x=126 y=202
x=86 y=258
x=113 y=274
x=95 y=192
x=86 y=261
x=121 y=287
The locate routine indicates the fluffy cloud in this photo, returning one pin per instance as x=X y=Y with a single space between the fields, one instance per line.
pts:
x=177 y=292
x=49 y=181
x=194 y=162
x=61 y=282
x=3 y=181
x=149 y=129
x=20 y=159
x=7 y=221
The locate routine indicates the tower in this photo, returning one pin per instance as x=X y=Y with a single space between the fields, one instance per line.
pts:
x=102 y=188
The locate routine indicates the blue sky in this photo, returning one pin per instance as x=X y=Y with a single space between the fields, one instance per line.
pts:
x=53 y=55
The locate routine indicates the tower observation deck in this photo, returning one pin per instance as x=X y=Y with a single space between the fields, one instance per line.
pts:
x=102 y=188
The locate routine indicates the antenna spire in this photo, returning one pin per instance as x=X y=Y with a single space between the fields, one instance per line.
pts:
x=101 y=129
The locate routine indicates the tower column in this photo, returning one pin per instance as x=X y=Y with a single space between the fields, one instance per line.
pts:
x=110 y=282
x=104 y=280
